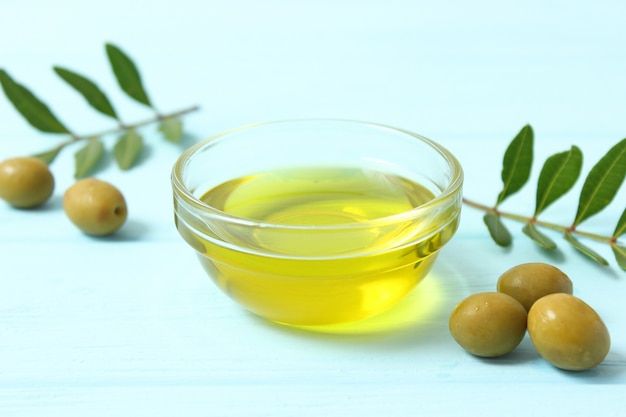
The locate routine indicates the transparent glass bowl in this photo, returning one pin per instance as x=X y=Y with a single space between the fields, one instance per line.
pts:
x=298 y=270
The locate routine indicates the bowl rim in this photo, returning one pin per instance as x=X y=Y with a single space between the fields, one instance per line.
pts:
x=181 y=191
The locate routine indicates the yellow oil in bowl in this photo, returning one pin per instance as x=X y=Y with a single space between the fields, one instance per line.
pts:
x=310 y=275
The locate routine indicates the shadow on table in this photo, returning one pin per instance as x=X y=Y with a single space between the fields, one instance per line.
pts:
x=419 y=319
x=611 y=371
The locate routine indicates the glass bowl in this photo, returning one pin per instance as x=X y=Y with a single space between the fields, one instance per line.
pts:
x=317 y=222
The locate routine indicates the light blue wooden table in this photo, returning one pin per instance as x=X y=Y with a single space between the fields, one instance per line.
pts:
x=131 y=326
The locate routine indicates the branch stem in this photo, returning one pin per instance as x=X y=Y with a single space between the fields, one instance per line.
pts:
x=535 y=221
x=124 y=127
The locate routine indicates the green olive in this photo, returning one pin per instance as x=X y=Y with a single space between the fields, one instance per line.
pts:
x=529 y=282
x=95 y=207
x=567 y=332
x=25 y=182
x=488 y=324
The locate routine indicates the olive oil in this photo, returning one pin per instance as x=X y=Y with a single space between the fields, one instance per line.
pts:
x=342 y=250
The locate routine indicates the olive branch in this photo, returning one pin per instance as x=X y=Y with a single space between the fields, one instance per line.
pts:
x=129 y=143
x=558 y=175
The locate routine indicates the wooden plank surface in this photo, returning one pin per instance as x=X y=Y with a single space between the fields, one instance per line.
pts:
x=132 y=326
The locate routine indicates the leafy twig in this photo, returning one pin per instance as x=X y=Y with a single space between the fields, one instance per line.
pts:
x=129 y=143
x=558 y=175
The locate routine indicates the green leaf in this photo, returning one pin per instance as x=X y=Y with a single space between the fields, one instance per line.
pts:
x=517 y=162
x=585 y=250
x=30 y=107
x=620 y=255
x=127 y=149
x=620 y=228
x=539 y=238
x=172 y=129
x=49 y=156
x=87 y=157
x=89 y=90
x=497 y=230
x=602 y=183
x=558 y=175
x=127 y=74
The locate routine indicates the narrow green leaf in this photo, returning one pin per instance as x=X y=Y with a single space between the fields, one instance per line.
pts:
x=172 y=129
x=620 y=228
x=585 y=250
x=539 y=238
x=127 y=149
x=89 y=90
x=558 y=175
x=602 y=183
x=30 y=107
x=517 y=162
x=86 y=158
x=497 y=230
x=49 y=156
x=127 y=74
x=620 y=255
